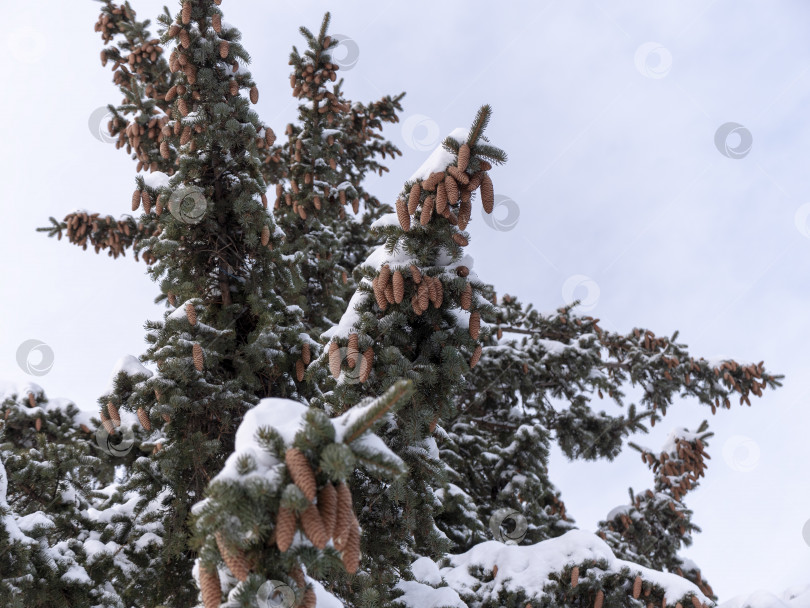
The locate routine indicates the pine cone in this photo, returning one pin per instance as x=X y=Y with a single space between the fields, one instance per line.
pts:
x=301 y=472
x=234 y=559
x=415 y=305
x=299 y=370
x=197 y=355
x=113 y=412
x=107 y=423
x=474 y=182
x=334 y=359
x=637 y=587
x=136 y=200
x=416 y=274
x=423 y=294
x=38 y=424
x=32 y=401
x=316 y=200
x=462 y=271
x=285 y=529
x=216 y=22
x=344 y=517
x=460 y=177
x=402 y=214
x=487 y=193
x=413 y=198
x=269 y=136
x=185 y=39
x=432 y=181
x=313 y=527
x=305 y=353
x=186 y=17
x=309 y=600
x=575 y=576
x=352 y=352
x=327 y=506
x=265 y=235
x=451 y=189
x=441 y=198
x=351 y=555
x=389 y=294
x=466 y=297
x=191 y=313
x=464 y=214
x=254 y=95
x=159 y=205
x=143 y=418
x=475 y=325
x=427 y=211
x=379 y=293
x=696 y=602
x=399 y=286
x=460 y=239
x=224 y=47
x=463 y=157
x=385 y=275
x=182 y=107
x=164 y=150
x=476 y=356
x=210 y=588
x=366 y=364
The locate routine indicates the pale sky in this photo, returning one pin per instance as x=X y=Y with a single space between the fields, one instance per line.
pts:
x=609 y=112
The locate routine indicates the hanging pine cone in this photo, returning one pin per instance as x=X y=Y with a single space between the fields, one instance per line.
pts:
x=159 y=204
x=38 y=425
x=416 y=274
x=399 y=286
x=327 y=506
x=210 y=588
x=389 y=293
x=309 y=600
x=351 y=554
x=107 y=423
x=197 y=355
x=186 y=17
x=487 y=193
x=334 y=360
x=462 y=271
x=305 y=353
x=182 y=107
x=427 y=211
x=402 y=215
x=191 y=313
x=216 y=22
x=575 y=576
x=224 y=47
x=352 y=352
x=136 y=200
x=466 y=297
x=164 y=150
x=313 y=527
x=379 y=293
x=366 y=364
x=285 y=528
x=476 y=356
x=143 y=418
x=417 y=309
x=265 y=235
x=464 y=213
x=269 y=136
x=344 y=517
x=112 y=410
x=460 y=239
x=233 y=558
x=316 y=200
x=185 y=39
x=423 y=295
x=463 y=157
x=475 y=325
x=432 y=181
x=385 y=275
x=301 y=472
x=600 y=599
x=254 y=95
x=32 y=401
x=637 y=587
x=413 y=198
x=299 y=370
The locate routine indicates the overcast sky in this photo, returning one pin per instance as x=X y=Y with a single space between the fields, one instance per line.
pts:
x=627 y=188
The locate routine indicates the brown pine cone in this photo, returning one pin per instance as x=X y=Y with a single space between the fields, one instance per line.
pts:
x=182 y=107
x=399 y=287
x=459 y=175
x=265 y=235
x=462 y=271
x=186 y=17
x=432 y=181
x=210 y=588
x=351 y=554
x=299 y=370
x=637 y=587
x=309 y=600
x=475 y=325
x=216 y=22
x=415 y=304
x=431 y=285
x=451 y=188
x=437 y=283
x=191 y=313
x=402 y=214
x=575 y=576
x=352 y=352
x=301 y=472
x=38 y=425
x=233 y=558
x=475 y=181
x=385 y=275
x=423 y=293
x=112 y=410
x=327 y=506
x=316 y=200
x=460 y=240
x=379 y=293
x=197 y=355
x=107 y=423
x=185 y=39
x=313 y=527
x=416 y=274
x=344 y=516
x=224 y=47
x=600 y=599
x=475 y=356
x=389 y=294
x=143 y=418
x=366 y=364
x=487 y=193
x=269 y=136
x=464 y=214
x=136 y=200
x=441 y=198
x=285 y=529
x=254 y=95
x=466 y=297
x=463 y=157
x=305 y=353
x=164 y=150
x=413 y=198
x=427 y=211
